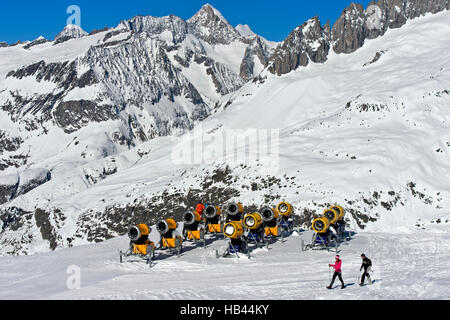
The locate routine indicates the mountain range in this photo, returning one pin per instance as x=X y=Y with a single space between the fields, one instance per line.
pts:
x=88 y=120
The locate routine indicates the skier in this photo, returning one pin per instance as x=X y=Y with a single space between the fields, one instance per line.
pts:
x=200 y=208
x=366 y=265
x=337 y=272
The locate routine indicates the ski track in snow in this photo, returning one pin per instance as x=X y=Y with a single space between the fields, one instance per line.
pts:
x=406 y=266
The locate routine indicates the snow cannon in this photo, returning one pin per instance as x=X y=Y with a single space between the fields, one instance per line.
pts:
x=212 y=212
x=321 y=225
x=212 y=218
x=271 y=222
x=234 y=212
x=253 y=221
x=192 y=229
x=339 y=224
x=286 y=211
x=170 y=239
x=340 y=210
x=255 y=225
x=192 y=219
x=270 y=216
x=233 y=230
x=140 y=245
x=332 y=215
x=139 y=233
x=166 y=227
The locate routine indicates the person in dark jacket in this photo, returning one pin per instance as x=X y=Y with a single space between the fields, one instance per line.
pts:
x=366 y=265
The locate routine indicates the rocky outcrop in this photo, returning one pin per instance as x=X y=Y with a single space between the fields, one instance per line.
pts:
x=219 y=30
x=14 y=185
x=259 y=49
x=349 y=33
x=306 y=43
x=356 y=24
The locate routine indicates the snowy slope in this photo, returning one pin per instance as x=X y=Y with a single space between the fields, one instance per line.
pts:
x=371 y=135
x=404 y=267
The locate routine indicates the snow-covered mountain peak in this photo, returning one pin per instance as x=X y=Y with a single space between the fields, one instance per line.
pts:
x=70 y=31
x=245 y=31
x=208 y=12
x=211 y=26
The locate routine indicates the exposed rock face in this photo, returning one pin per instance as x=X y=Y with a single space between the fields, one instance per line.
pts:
x=355 y=25
x=3 y=45
x=155 y=26
x=14 y=185
x=349 y=33
x=219 y=30
x=259 y=49
x=305 y=43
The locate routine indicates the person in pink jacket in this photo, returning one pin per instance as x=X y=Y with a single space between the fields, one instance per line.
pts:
x=337 y=272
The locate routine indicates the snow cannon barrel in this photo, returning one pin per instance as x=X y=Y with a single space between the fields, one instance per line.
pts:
x=332 y=215
x=340 y=210
x=285 y=209
x=191 y=217
x=269 y=214
x=321 y=225
x=139 y=232
x=234 y=211
x=167 y=225
x=253 y=221
x=212 y=212
x=233 y=230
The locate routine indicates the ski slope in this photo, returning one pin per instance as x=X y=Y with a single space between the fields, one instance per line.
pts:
x=406 y=266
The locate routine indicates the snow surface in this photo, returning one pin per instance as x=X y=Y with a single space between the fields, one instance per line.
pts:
x=411 y=266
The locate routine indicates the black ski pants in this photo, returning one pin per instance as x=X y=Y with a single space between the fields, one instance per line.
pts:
x=339 y=275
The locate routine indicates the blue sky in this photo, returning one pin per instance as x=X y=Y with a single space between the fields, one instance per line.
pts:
x=274 y=20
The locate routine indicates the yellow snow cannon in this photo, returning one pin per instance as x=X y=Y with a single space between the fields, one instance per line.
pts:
x=233 y=229
x=192 y=218
x=270 y=214
x=253 y=221
x=340 y=210
x=237 y=242
x=170 y=239
x=270 y=217
x=234 y=212
x=166 y=226
x=193 y=230
x=140 y=245
x=332 y=215
x=137 y=232
x=321 y=225
x=212 y=218
x=339 y=224
x=285 y=209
